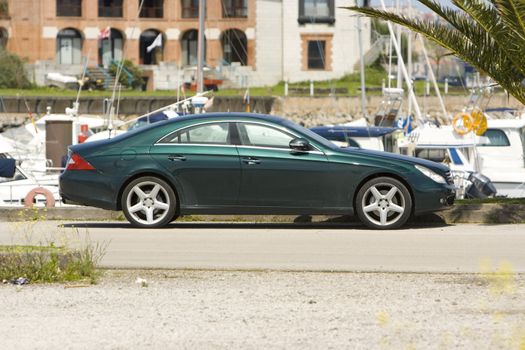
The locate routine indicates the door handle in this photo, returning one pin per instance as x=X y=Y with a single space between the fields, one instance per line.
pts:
x=176 y=157
x=251 y=161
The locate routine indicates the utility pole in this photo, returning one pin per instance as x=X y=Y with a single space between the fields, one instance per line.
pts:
x=200 y=46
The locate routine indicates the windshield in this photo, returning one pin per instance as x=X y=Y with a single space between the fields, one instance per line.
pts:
x=523 y=144
x=18 y=176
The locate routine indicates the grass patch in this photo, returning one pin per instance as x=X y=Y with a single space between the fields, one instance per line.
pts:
x=351 y=82
x=47 y=264
x=491 y=201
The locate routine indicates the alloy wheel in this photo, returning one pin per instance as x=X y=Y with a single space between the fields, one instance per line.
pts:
x=383 y=204
x=148 y=203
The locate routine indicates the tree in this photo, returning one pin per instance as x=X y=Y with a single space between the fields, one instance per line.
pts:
x=488 y=34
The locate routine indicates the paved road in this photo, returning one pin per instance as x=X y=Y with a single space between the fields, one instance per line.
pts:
x=316 y=247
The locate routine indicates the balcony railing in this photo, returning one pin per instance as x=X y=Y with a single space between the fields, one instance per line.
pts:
x=190 y=12
x=231 y=12
x=152 y=12
x=69 y=9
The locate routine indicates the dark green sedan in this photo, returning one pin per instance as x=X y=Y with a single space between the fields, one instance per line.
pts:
x=239 y=163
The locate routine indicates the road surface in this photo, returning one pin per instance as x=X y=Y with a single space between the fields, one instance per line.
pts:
x=305 y=247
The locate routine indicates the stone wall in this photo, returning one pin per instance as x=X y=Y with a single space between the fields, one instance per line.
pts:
x=336 y=110
x=305 y=110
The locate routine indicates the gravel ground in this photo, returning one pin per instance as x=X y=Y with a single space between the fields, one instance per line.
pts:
x=268 y=310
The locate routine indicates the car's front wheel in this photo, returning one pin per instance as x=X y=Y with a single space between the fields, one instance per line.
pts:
x=383 y=203
x=149 y=202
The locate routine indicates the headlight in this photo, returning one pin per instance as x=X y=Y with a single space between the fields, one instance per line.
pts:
x=436 y=177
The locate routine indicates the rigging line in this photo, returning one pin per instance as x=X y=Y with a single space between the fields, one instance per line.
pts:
x=120 y=66
x=82 y=78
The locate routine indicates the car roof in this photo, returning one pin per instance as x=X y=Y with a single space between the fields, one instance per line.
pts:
x=230 y=115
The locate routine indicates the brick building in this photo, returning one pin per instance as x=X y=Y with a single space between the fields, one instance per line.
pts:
x=244 y=38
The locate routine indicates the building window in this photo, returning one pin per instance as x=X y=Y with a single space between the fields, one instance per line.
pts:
x=151 y=46
x=316 y=11
x=152 y=9
x=4 y=9
x=234 y=47
x=69 y=46
x=110 y=8
x=69 y=8
x=316 y=54
x=189 y=48
x=3 y=38
x=234 y=8
x=190 y=8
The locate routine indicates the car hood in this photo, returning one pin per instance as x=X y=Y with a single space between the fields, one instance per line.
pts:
x=396 y=158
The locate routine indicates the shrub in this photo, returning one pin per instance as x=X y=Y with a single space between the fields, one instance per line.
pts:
x=133 y=79
x=12 y=71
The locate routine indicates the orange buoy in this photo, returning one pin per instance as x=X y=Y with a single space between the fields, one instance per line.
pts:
x=30 y=197
x=479 y=122
x=462 y=123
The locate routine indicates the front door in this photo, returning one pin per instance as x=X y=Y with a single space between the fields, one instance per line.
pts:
x=66 y=51
x=273 y=175
x=204 y=164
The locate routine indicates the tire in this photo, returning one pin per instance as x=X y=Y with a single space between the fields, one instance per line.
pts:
x=383 y=203
x=146 y=209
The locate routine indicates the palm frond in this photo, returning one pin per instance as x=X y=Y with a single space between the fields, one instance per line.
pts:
x=488 y=18
x=512 y=14
x=484 y=42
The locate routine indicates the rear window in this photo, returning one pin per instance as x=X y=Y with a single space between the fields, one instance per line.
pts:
x=497 y=138
x=212 y=134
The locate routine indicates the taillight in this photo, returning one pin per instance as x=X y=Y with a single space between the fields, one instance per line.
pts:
x=76 y=162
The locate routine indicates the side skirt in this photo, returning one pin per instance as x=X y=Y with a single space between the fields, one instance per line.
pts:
x=232 y=210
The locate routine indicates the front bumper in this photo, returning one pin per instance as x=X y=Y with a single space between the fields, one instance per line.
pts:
x=437 y=199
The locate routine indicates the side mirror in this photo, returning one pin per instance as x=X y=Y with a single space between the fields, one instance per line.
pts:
x=299 y=144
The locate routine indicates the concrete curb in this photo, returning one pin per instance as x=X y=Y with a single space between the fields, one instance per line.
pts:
x=487 y=213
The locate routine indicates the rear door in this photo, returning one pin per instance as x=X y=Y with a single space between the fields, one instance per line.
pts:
x=204 y=163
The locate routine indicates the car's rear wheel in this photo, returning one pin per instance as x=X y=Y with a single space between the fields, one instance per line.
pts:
x=149 y=202
x=383 y=203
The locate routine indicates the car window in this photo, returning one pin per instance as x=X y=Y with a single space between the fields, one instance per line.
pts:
x=214 y=134
x=497 y=138
x=263 y=136
x=433 y=154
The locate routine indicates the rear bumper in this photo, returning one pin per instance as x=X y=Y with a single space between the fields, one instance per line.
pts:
x=88 y=188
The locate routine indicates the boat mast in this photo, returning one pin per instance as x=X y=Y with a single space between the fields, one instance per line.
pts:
x=200 y=46
x=362 y=62
x=409 y=56
x=399 y=53
x=401 y=63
